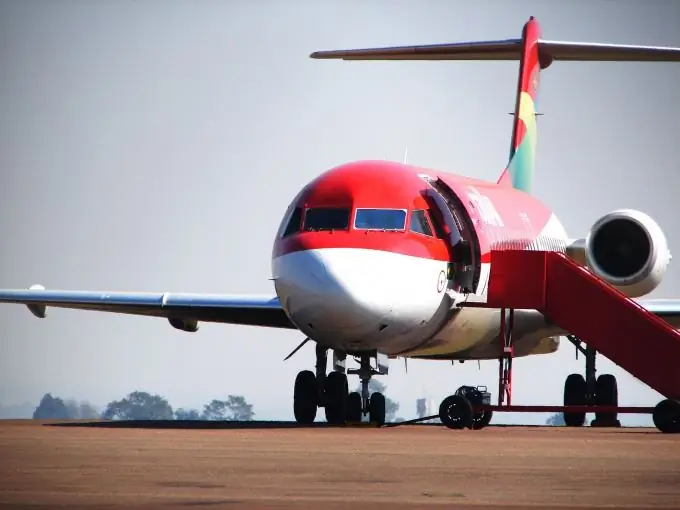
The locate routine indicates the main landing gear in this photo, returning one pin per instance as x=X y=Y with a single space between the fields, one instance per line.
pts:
x=466 y=408
x=456 y=411
x=590 y=390
x=331 y=391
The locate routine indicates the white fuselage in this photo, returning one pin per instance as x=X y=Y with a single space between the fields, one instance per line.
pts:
x=356 y=300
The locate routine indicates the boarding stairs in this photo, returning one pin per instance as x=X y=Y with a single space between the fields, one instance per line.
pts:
x=581 y=303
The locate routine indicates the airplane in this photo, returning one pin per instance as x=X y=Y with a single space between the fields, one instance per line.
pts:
x=375 y=260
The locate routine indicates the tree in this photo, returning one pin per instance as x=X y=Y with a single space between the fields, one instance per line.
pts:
x=556 y=420
x=235 y=408
x=81 y=411
x=139 y=405
x=187 y=415
x=51 y=408
x=391 y=407
x=216 y=410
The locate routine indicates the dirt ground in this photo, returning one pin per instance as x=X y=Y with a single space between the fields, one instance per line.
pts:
x=43 y=466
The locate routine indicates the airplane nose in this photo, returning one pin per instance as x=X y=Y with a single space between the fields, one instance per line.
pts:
x=329 y=291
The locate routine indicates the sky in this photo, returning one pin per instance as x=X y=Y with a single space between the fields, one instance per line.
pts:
x=154 y=145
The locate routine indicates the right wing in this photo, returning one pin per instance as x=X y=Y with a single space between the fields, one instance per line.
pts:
x=183 y=311
x=510 y=49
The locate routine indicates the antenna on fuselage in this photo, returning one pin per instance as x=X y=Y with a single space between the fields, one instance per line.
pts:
x=405 y=155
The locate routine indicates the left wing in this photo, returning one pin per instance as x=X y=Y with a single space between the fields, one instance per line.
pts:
x=183 y=311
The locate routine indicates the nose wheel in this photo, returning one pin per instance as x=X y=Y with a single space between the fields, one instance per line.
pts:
x=365 y=403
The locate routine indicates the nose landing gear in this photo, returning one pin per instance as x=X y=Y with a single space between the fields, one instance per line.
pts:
x=361 y=404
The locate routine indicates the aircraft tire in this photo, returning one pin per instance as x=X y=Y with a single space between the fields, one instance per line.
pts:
x=335 y=398
x=575 y=393
x=455 y=412
x=305 y=396
x=376 y=409
x=666 y=416
x=354 y=407
x=606 y=394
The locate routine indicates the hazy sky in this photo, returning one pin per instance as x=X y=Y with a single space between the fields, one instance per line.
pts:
x=154 y=145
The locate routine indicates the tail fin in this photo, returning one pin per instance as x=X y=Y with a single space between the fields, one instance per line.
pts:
x=534 y=54
x=520 y=170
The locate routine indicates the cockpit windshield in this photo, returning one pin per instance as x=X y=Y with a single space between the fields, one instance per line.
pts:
x=326 y=218
x=380 y=219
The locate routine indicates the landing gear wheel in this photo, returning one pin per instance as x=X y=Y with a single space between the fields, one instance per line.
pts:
x=606 y=394
x=335 y=398
x=575 y=394
x=354 y=405
x=376 y=409
x=666 y=416
x=455 y=412
x=305 y=397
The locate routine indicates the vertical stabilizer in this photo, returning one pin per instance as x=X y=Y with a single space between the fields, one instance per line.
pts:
x=520 y=170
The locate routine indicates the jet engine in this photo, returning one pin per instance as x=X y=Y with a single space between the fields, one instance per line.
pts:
x=188 y=325
x=627 y=249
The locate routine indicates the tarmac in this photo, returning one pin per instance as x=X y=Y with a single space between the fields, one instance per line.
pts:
x=278 y=466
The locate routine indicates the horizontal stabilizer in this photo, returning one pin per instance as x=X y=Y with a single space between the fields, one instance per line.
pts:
x=511 y=49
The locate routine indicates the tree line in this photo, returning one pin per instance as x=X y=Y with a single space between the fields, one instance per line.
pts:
x=140 y=405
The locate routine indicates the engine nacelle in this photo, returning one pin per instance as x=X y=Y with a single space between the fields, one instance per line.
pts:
x=628 y=249
x=188 y=325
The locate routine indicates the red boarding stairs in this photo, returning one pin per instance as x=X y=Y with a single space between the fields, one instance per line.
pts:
x=576 y=300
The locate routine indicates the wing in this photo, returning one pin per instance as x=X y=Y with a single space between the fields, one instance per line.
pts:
x=667 y=309
x=183 y=311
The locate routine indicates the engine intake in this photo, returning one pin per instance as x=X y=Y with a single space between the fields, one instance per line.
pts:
x=628 y=249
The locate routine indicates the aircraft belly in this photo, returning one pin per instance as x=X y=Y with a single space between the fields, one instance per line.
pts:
x=475 y=334
x=470 y=328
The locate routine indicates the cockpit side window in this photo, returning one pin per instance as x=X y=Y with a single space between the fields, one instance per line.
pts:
x=436 y=221
x=326 y=218
x=380 y=219
x=294 y=223
x=419 y=223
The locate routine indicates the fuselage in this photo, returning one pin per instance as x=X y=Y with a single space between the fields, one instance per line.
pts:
x=380 y=255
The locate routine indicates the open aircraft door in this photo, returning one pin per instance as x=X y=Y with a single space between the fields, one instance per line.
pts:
x=464 y=252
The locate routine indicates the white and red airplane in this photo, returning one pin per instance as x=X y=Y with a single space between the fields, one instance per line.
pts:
x=373 y=259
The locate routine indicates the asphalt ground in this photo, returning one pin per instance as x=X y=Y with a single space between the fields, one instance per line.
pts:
x=279 y=466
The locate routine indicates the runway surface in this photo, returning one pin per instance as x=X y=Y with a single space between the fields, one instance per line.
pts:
x=43 y=466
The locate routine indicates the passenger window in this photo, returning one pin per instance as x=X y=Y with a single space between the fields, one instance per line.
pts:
x=325 y=218
x=380 y=219
x=419 y=223
x=293 y=225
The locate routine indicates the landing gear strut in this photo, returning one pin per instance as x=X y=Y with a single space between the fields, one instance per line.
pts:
x=331 y=391
x=590 y=390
